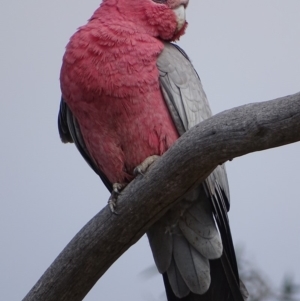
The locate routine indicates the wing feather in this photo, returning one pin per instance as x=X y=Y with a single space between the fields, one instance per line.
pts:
x=69 y=131
x=188 y=106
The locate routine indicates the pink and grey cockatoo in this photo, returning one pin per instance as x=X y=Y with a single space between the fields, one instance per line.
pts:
x=127 y=94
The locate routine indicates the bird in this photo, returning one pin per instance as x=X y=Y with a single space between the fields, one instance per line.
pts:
x=128 y=93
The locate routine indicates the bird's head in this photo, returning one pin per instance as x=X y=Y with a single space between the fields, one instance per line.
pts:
x=164 y=19
x=173 y=16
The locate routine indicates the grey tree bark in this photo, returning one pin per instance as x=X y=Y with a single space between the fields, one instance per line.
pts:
x=106 y=237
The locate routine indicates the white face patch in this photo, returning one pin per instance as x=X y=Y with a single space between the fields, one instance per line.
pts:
x=180 y=16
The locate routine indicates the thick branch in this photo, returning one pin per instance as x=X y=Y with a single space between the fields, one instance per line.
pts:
x=106 y=237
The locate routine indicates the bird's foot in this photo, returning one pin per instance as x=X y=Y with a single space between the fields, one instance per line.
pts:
x=143 y=167
x=112 y=201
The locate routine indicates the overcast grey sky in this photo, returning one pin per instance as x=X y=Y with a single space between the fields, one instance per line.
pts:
x=244 y=51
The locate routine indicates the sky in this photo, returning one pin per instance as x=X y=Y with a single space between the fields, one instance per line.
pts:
x=244 y=51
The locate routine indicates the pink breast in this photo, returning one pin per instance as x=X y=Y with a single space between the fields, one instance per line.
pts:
x=114 y=94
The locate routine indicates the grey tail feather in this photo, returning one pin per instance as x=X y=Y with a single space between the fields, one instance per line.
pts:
x=224 y=286
x=225 y=283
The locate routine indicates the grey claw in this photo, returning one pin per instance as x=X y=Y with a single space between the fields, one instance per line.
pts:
x=143 y=167
x=117 y=187
x=112 y=205
x=112 y=201
x=138 y=171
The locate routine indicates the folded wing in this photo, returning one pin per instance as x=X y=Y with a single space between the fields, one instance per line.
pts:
x=192 y=243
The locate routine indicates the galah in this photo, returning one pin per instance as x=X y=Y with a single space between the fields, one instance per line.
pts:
x=128 y=93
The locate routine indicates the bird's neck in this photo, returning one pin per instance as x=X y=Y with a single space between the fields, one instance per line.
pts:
x=157 y=21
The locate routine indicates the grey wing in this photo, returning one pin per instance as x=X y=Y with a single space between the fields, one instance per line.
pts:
x=182 y=88
x=194 y=233
x=186 y=99
x=69 y=131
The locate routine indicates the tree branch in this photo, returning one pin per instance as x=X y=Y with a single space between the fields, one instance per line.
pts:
x=106 y=237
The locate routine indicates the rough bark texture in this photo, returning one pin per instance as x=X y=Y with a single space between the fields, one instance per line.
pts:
x=106 y=237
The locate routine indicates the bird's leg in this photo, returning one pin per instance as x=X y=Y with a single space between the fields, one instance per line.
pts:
x=112 y=201
x=118 y=187
x=143 y=167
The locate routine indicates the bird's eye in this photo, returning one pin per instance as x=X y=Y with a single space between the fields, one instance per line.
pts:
x=160 y=1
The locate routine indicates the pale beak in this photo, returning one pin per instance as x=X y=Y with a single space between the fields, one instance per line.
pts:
x=180 y=16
